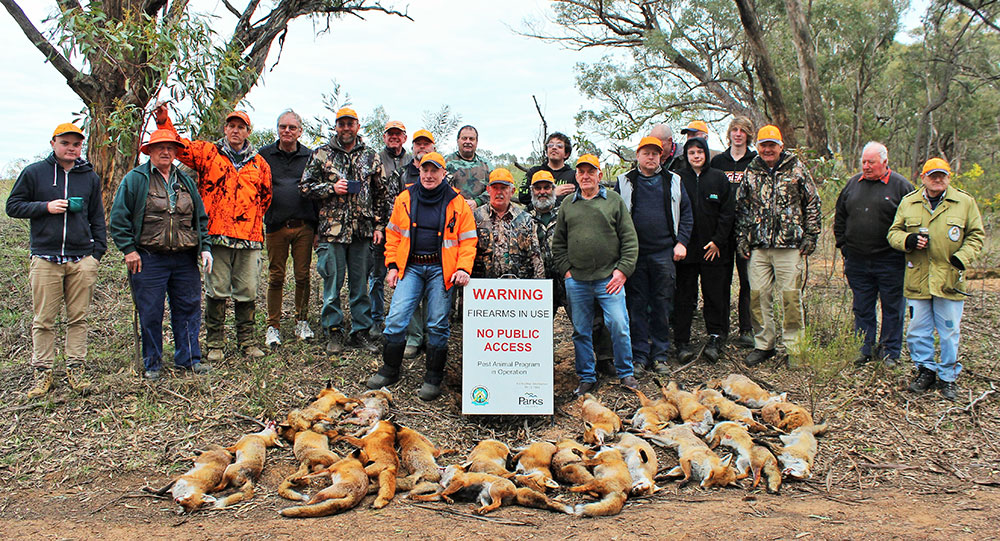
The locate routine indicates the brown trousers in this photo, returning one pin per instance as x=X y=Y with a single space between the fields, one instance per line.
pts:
x=53 y=285
x=299 y=241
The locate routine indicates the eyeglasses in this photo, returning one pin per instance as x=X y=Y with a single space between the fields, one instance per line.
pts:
x=290 y=127
x=555 y=145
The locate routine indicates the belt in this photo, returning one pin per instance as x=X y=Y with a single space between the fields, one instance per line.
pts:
x=426 y=259
x=292 y=224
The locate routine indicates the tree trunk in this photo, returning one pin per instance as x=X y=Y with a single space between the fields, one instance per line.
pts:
x=812 y=103
x=765 y=70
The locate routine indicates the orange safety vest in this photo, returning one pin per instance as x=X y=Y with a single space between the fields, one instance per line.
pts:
x=458 y=240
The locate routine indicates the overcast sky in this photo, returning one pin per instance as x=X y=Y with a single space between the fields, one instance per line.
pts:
x=465 y=54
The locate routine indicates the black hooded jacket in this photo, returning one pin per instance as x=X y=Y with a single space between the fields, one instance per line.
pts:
x=713 y=201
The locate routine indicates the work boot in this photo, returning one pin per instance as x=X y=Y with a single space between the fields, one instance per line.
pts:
x=585 y=387
x=629 y=382
x=244 y=328
x=606 y=367
x=77 y=381
x=711 y=352
x=215 y=319
x=360 y=340
x=215 y=355
x=758 y=356
x=948 y=389
x=253 y=351
x=685 y=353
x=411 y=352
x=924 y=380
x=436 y=359
x=744 y=340
x=336 y=343
x=43 y=383
x=388 y=374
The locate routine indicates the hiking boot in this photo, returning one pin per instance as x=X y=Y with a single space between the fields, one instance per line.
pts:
x=685 y=353
x=744 y=340
x=758 y=356
x=629 y=382
x=948 y=389
x=77 y=380
x=924 y=380
x=585 y=387
x=360 y=340
x=662 y=367
x=215 y=355
x=711 y=352
x=336 y=343
x=272 y=338
x=253 y=351
x=302 y=330
x=43 y=383
x=388 y=374
x=411 y=352
x=862 y=360
x=152 y=375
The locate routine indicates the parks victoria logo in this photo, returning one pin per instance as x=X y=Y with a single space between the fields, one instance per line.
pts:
x=530 y=399
x=480 y=396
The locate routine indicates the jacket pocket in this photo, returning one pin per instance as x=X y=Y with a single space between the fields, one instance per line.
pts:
x=955 y=232
x=912 y=224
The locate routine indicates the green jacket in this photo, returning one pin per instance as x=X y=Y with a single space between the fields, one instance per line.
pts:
x=956 y=238
x=129 y=209
x=593 y=237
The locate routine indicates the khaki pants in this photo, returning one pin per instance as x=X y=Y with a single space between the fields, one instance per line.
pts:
x=299 y=241
x=780 y=270
x=235 y=274
x=53 y=285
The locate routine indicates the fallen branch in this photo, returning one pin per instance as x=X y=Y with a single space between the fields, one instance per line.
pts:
x=966 y=409
x=178 y=395
x=470 y=515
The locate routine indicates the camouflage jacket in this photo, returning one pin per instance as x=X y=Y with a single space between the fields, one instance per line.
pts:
x=507 y=245
x=545 y=232
x=779 y=209
x=469 y=176
x=343 y=217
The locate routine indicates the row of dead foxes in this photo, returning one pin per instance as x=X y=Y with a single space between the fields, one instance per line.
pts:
x=494 y=475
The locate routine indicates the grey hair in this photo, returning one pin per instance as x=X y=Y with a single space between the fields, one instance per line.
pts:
x=288 y=111
x=883 y=153
x=662 y=129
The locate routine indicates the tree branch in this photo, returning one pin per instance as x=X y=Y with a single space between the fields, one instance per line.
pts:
x=83 y=85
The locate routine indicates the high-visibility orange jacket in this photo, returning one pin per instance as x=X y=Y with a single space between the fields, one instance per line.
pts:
x=458 y=240
x=235 y=199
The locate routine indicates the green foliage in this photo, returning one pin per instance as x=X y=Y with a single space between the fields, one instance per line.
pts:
x=829 y=348
x=442 y=123
x=262 y=137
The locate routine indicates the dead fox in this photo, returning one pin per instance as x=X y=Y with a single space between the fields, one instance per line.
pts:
x=729 y=410
x=490 y=491
x=642 y=464
x=489 y=456
x=380 y=448
x=250 y=451
x=691 y=411
x=697 y=461
x=612 y=482
x=313 y=453
x=762 y=461
x=348 y=486
x=189 y=490
x=745 y=391
x=652 y=415
x=599 y=422
x=732 y=434
x=786 y=416
x=798 y=450
x=374 y=408
x=534 y=464
x=321 y=409
x=418 y=456
x=567 y=463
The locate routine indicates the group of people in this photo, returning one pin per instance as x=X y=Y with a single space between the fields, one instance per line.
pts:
x=626 y=255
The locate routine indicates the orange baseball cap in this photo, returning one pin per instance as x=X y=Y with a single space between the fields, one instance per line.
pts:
x=936 y=165
x=394 y=124
x=346 y=112
x=501 y=175
x=433 y=158
x=542 y=176
x=769 y=134
x=162 y=136
x=67 y=128
x=591 y=160
x=695 y=126
x=650 y=141
x=242 y=115
x=423 y=133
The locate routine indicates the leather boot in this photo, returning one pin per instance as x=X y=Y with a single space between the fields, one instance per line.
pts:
x=215 y=319
x=244 y=329
x=436 y=359
x=388 y=374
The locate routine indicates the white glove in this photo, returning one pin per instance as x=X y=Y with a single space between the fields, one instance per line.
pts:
x=206 y=261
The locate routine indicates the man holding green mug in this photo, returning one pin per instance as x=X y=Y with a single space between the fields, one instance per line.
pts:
x=61 y=196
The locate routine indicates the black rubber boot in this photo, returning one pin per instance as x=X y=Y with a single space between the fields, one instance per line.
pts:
x=436 y=359
x=388 y=374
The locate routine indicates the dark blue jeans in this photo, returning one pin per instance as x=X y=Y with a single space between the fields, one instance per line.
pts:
x=376 y=283
x=174 y=275
x=649 y=293
x=880 y=278
x=334 y=260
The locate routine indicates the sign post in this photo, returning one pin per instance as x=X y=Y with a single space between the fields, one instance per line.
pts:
x=507 y=359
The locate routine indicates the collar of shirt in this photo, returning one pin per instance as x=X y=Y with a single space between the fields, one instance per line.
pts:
x=508 y=215
x=602 y=192
x=884 y=179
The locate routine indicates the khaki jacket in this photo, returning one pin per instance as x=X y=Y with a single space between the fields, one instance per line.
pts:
x=955 y=229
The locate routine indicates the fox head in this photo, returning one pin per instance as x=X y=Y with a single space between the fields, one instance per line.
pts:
x=594 y=435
